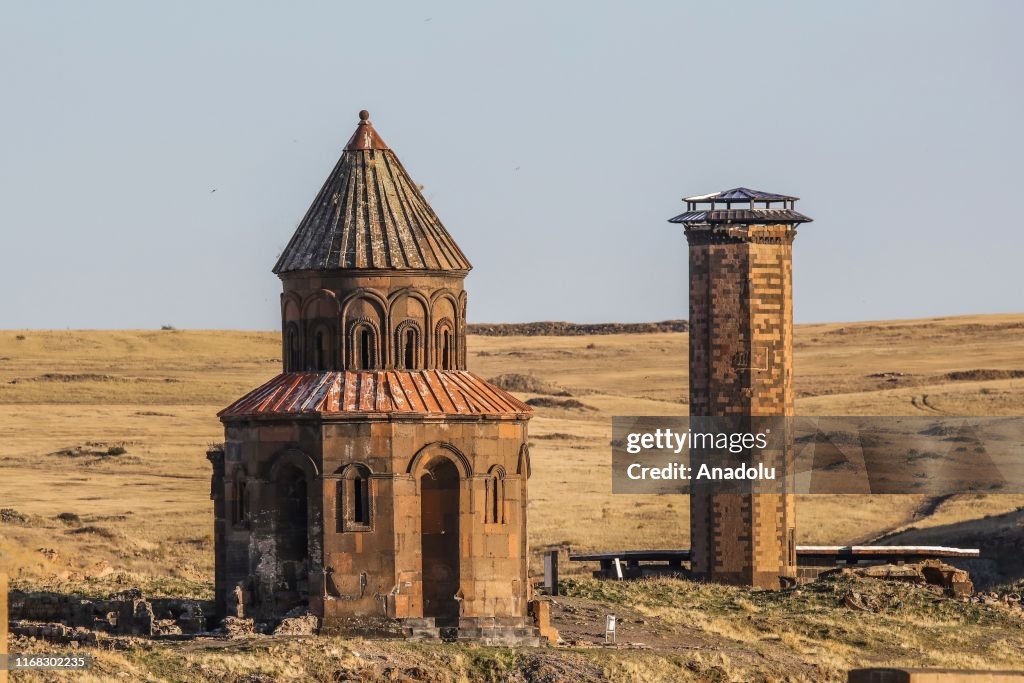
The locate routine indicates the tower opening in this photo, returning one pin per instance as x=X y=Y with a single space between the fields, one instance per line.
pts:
x=446 y=357
x=439 y=515
x=365 y=361
x=410 y=349
x=360 y=501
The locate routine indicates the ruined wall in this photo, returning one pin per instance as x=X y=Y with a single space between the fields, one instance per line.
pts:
x=271 y=547
x=741 y=350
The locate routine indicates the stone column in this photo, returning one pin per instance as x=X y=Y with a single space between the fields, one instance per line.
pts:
x=741 y=350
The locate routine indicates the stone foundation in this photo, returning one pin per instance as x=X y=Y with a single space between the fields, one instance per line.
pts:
x=933 y=676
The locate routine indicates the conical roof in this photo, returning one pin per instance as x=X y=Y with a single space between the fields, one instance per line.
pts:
x=369 y=215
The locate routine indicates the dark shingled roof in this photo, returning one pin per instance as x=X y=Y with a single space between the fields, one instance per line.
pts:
x=743 y=216
x=740 y=194
x=370 y=215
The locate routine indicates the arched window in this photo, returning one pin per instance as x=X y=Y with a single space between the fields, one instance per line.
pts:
x=407 y=345
x=354 y=499
x=494 y=497
x=445 y=345
x=292 y=348
x=363 y=348
x=323 y=352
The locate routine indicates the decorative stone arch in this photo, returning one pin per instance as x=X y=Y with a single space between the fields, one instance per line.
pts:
x=323 y=349
x=364 y=343
x=397 y=315
x=494 y=495
x=461 y=328
x=444 y=449
x=370 y=295
x=319 y=329
x=409 y=348
x=291 y=306
x=412 y=294
x=378 y=323
x=294 y=457
x=316 y=297
x=445 y=293
x=291 y=338
x=523 y=468
x=291 y=332
x=446 y=345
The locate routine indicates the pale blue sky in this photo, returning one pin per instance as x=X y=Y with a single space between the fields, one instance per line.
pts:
x=554 y=140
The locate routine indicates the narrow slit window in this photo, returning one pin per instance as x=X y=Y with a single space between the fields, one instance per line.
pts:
x=361 y=511
x=354 y=500
x=495 y=501
x=410 y=349
x=365 y=348
x=239 y=510
x=446 y=361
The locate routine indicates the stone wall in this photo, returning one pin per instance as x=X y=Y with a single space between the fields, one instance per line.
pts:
x=363 y=571
x=128 y=613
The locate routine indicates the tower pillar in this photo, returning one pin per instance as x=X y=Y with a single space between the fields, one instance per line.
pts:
x=741 y=366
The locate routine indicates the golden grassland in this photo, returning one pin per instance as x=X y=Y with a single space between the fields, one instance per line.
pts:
x=143 y=518
x=156 y=394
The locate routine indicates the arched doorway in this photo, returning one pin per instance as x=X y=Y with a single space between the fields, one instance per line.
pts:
x=292 y=538
x=440 y=537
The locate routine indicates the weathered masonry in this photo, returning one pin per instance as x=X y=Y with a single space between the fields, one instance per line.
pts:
x=741 y=364
x=375 y=482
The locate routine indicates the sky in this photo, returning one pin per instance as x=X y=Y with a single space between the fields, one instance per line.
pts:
x=155 y=157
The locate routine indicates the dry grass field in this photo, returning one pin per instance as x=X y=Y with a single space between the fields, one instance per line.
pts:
x=78 y=518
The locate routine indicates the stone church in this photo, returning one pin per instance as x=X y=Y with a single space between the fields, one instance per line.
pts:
x=375 y=482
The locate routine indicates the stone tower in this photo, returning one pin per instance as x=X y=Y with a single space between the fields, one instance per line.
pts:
x=375 y=482
x=741 y=364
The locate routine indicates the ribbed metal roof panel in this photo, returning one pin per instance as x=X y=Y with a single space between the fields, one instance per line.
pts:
x=741 y=194
x=370 y=215
x=742 y=216
x=412 y=392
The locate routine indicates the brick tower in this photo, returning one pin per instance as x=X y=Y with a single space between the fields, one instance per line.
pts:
x=375 y=482
x=741 y=364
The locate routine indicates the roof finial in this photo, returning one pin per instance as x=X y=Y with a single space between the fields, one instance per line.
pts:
x=365 y=136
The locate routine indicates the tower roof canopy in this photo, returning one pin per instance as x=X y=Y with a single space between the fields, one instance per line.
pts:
x=755 y=207
x=369 y=215
x=740 y=194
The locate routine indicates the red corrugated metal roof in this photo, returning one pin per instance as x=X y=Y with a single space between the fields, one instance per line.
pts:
x=413 y=392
